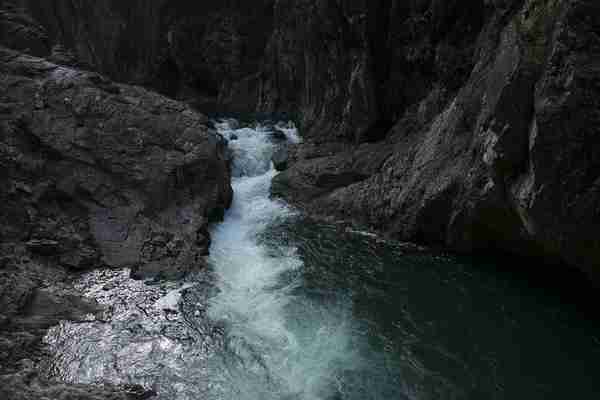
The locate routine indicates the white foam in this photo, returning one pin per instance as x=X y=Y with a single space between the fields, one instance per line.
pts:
x=250 y=148
x=298 y=348
x=170 y=301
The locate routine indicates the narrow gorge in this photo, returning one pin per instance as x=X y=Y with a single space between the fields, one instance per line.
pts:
x=299 y=199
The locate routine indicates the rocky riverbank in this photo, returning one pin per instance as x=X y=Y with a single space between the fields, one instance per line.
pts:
x=95 y=175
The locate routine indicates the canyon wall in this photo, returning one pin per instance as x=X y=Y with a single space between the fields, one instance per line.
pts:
x=208 y=53
x=470 y=124
x=496 y=148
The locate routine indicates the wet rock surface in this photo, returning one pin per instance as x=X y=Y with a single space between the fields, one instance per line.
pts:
x=151 y=335
x=94 y=175
x=36 y=294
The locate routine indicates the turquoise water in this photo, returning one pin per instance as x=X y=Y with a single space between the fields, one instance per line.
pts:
x=295 y=309
x=438 y=327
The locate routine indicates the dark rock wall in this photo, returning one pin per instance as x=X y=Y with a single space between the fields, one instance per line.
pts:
x=346 y=70
x=351 y=68
x=501 y=153
x=471 y=123
x=97 y=173
x=206 y=52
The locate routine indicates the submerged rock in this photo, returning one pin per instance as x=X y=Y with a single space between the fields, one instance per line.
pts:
x=280 y=159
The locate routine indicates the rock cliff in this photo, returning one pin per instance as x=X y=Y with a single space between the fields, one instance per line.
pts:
x=472 y=124
x=469 y=124
x=497 y=145
x=208 y=53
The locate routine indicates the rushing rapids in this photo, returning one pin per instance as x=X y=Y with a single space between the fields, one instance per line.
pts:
x=294 y=309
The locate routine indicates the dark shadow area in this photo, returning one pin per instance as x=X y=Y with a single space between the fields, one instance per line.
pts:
x=168 y=78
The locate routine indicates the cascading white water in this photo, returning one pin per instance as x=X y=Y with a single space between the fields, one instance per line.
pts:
x=285 y=346
x=297 y=310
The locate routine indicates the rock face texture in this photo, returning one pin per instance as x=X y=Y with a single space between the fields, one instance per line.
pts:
x=498 y=151
x=208 y=53
x=94 y=174
x=344 y=69
x=100 y=174
x=472 y=124
x=469 y=124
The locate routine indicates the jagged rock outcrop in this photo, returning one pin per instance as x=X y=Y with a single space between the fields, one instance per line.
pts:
x=507 y=163
x=98 y=173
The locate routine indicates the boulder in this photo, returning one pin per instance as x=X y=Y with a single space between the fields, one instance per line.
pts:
x=95 y=170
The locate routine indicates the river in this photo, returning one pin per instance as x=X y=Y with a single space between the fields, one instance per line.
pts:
x=295 y=309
